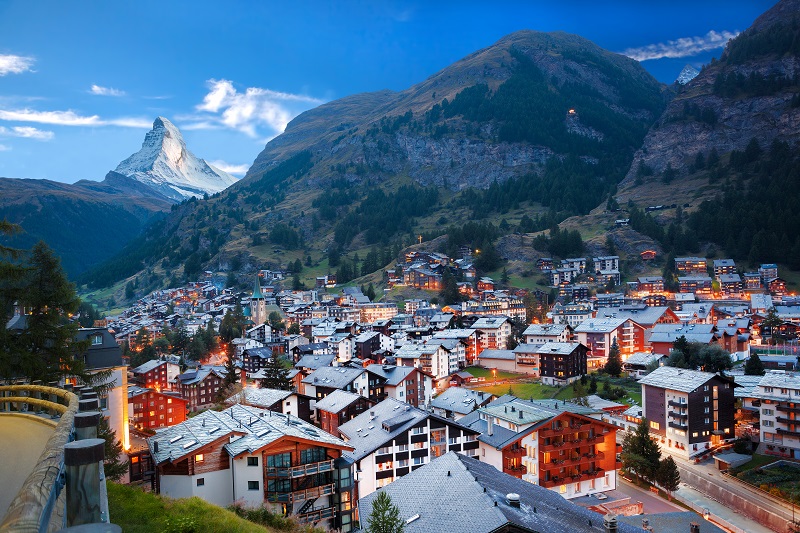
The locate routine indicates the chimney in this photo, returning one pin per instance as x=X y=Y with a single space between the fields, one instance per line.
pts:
x=520 y=414
x=155 y=447
x=610 y=523
x=513 y=499
x=489 y=429
x=694 y=527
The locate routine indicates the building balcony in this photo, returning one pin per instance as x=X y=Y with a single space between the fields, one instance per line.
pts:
x=315 y=516
x=784 y=420
x=676 y=425
x=515 y=452
x=673 y=414
x=673 y=403
x=301 y=495
x=783 y=408
x=515 y=470
x=549 y=432
x=300 y=470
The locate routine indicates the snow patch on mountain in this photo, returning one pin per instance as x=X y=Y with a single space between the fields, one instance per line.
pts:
x=167 y=166
x=687 y=74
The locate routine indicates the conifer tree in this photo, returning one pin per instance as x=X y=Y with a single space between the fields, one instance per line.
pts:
x=385 y=516
x=668 y=476
x=754 y=366
x=113 y=467
x=613 y=366
x=640 y=453
x=275 y=375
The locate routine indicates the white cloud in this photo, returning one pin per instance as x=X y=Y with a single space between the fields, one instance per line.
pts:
x=250 y=110
x=683 y=47
x=27 y=132
x=11 y=64
x=105 y=91
x=229 y=168
x=70 y=118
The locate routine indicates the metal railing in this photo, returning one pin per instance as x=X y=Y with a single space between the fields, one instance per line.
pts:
x=32 y=508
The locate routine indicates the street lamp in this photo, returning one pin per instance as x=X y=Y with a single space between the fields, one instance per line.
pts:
x=494 y=375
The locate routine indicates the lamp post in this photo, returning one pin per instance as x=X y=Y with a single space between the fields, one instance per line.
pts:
x=494 y=375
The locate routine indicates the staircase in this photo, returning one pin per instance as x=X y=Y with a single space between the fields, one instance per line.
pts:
x=306 y=506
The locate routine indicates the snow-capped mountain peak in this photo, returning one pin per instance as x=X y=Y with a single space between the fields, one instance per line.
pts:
x=166 y=165
x=687 y=74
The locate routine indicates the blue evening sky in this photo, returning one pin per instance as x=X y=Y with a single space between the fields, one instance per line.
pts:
x=81 y=82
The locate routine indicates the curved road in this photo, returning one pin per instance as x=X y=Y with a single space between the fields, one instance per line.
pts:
x=22 y=441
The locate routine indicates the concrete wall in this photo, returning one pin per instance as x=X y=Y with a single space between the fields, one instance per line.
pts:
x=733 y=501
x=216 y=488
x=241 y=475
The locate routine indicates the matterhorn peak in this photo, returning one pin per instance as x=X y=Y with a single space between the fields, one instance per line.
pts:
x=167 y=166
x=687 y=74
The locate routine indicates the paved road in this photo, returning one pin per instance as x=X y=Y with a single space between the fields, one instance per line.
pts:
x=652 y=502
x=22 y=441
x=717 y=509
x=707 y=470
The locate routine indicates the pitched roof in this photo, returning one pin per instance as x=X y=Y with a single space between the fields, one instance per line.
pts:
x=259 y=397
x=642 y=358
x=333 y=377
x=199 y=374
x=457 y=493
x=545 y=329
x=599 y=325
x=677 y=379
x=336 y=401
x=393 y=374
x=148 y=366
x=558 y=348
x=497 y=354
x=460 y=400
x=372 y=429
x=255 y=427
x=782 y=380
x=490 y=322
x=315 y=361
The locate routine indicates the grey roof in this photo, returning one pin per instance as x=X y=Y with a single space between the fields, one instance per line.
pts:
x=393 y=374
x=730 y=278
x=199 y=374
x=262 y=352
x=455 y=493
x=527 y=348
x=545 y=329
x=372 y=429
x=642 y=358
x=257 y=428
x=490 y=322
x=782 y=380
x=258 y=397
x=674 y=522
x=599 y=325
x=460 y=400
x=148 y=366
x=633 y=410
x=333 y=377
x=677 y=379
x=497 y=354
x=315 y=361
x=598 y=403
x=641 y=314
x=723 y=263
x=561 y=348
x=336 y=401
x=747 y=386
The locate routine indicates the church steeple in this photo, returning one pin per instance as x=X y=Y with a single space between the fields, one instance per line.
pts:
x=257 y=291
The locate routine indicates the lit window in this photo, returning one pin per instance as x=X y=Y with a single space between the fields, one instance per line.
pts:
x=199 y=458
x=562 y=489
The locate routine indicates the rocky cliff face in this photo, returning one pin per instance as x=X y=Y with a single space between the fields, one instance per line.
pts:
x=748 y=94
x=169 y=168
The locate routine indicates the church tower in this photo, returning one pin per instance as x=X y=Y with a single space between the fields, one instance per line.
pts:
x=258 y=305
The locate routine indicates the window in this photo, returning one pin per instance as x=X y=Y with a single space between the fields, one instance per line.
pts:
x=419 y=460
x=417 y=431
x=384 y=450
x=418 y=445
x=199 y=458
x=705 y=387
x=97 y=340
x=767 y=423
x=706 y=398
x=402 y=447
x=706 y=420
x=706 y=410
x=201 y=481
x=252 y=485
x=402 y=462
x=562 y=489
x=252 y=461
x=768 y=412
x=281 y=460
x=169 y=400
x=655 y=425
x=577 y=488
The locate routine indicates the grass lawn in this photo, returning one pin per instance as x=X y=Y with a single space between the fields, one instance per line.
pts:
x=757 y=462
x=480 y=372
x=632 y=389
x=136 y=511
x=522 y=390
